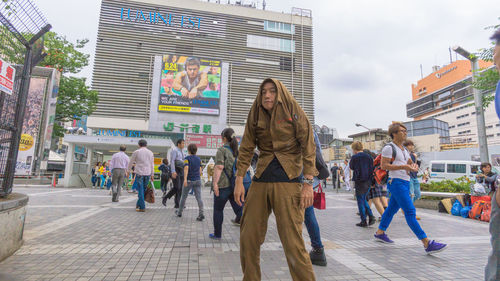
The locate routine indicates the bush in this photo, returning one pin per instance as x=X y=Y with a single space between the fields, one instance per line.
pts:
x=460 y=185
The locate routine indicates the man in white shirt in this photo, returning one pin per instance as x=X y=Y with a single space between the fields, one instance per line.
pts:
x=144 y=169
x=118 y=167
x=396 y=159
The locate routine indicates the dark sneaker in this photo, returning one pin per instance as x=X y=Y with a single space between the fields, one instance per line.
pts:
x=179 y=214
x=383 y=238
x=435 y=247
x=164 y=201
x=318 y=256
x=372 y=220
x=200 y=218
x=212 y=236
x=236 y=222
x=362 y=224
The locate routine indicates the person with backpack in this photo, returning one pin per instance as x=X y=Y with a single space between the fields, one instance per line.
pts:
x=492 y=270
x=283 y=182
x=192 y=181
x=399 y=167
x=223 y=171
x=361 y=165
x=177 y=168
x=166 y=173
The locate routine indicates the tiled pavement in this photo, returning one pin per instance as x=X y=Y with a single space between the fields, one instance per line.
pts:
x=78 y=234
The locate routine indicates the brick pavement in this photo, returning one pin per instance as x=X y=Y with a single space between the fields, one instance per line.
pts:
x=78 y=234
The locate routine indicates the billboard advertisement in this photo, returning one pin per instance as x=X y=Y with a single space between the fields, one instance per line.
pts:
x=204 y=141
x=190 y=85
x=31 y=126
x=7 y=76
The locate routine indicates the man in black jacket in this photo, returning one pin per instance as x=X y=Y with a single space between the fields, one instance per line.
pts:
x=361 y=165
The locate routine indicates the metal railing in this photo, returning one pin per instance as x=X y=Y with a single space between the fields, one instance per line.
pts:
x=21 y=29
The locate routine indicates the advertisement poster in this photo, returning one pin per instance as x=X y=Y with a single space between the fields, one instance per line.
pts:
x=7 y=75
x=204 y=141
x=190 y=85
x=51 y=113
x=31 y=126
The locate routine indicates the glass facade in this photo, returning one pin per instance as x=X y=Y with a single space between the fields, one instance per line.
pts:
x=280 y=27
x=427 y=127
x=270 y=43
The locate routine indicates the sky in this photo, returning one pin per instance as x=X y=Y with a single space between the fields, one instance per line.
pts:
x=367 y=53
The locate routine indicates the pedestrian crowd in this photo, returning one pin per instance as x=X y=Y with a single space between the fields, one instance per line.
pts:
x=277 y=167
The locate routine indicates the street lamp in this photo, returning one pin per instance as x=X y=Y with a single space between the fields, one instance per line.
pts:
x=369 y=131
x=478 y=103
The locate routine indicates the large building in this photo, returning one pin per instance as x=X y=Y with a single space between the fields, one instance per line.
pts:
x=175 y=69
x=446 y=94
x=136 y=38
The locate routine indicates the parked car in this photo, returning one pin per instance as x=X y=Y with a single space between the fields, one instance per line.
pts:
x=453 y=169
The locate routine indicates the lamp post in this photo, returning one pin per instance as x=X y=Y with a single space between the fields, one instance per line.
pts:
x=478 y=103
x=369 y=132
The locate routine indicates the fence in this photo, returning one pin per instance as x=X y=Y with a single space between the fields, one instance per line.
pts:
x=21 y=30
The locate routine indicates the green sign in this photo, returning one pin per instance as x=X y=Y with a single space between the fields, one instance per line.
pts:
x=195 y=128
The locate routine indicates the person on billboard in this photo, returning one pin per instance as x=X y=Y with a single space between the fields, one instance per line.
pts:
x=191 y=82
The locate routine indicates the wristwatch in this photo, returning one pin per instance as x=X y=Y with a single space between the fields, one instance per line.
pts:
x=309 y=181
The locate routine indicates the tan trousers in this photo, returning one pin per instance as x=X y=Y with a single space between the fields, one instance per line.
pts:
x=284 y=200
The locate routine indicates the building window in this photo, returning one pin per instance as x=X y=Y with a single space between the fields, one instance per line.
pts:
x=463 y=124
x=498 y=134
x=462 y=116
x=464 y=132
x=286 y=64
x=280 y=27
x=489 y=127
x=270 y=43
x=490 y=136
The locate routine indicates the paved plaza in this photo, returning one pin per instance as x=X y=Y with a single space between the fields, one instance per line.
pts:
x=78 y=234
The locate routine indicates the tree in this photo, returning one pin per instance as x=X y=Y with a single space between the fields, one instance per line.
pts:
x=488 y=79
x=75 y=99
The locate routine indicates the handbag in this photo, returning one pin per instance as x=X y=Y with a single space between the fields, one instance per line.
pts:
x=319 y=199
x=149 y=195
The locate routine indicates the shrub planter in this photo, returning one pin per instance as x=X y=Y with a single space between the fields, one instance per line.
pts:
x=12 y=216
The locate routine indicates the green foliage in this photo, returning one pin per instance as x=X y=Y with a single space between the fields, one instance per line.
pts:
x=460 y=185
x=76 y=101
x=64 y=55
x=488 y=79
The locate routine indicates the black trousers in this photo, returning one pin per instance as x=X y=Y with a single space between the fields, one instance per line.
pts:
x=177 y=187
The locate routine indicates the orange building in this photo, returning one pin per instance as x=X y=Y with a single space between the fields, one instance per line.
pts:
x=446 y=94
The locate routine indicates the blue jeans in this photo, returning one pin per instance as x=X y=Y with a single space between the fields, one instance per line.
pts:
x=103 y=180
x=400 y=198
x=142 y=184
x=312 y=228
x=220 y=201
x=363 y=207
x=414 y=189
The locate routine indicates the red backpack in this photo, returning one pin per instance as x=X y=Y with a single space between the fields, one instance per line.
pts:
x=379 y=174
x=486 y=214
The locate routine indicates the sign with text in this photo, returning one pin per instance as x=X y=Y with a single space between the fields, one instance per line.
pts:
x=7 y=76
x=204 y=141
x=190 y=85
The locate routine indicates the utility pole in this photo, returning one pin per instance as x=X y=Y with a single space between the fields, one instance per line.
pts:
x=478 y=104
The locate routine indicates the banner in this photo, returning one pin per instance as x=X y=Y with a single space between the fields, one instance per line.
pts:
x=7 y=76
x=204 y=141
x=190 y=85
x=31 y=126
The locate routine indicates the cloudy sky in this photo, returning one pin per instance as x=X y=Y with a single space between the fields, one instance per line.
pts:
x=367 y=53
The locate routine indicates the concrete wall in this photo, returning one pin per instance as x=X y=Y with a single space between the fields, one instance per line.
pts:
x=12 y=217
x=426 y=143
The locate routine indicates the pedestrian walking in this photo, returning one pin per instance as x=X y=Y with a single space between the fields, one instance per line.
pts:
x=280 y=129
x=119 y=167
x=361 y=165
x=347 y=175
x=166 y=173
x=177 y=168
x=103 y=171
x=492 y=270
x=335 y=176
x=399 y=186
x=223 y=191
x=192 y=181
x=414 y=183
x=144 y=171
x=96 y=178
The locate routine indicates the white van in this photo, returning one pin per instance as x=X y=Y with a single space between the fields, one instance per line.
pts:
x=453 y=169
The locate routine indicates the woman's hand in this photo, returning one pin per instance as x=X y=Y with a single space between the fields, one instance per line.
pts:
x=185 y=183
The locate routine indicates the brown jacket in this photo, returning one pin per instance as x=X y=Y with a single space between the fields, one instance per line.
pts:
x=285 y=133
